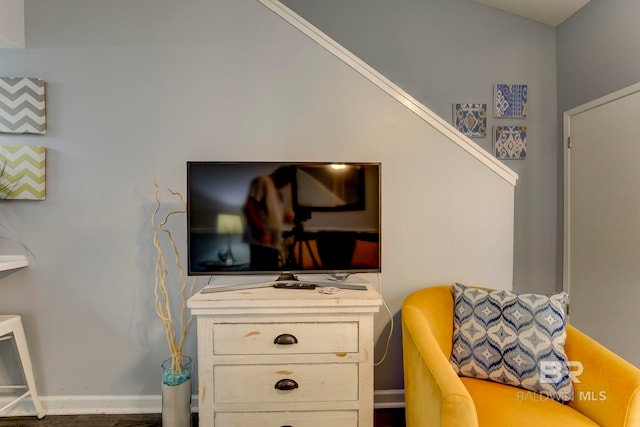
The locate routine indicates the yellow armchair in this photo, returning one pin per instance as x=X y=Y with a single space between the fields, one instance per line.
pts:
x=608 y=394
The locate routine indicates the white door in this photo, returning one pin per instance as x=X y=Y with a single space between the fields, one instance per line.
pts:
x=602 y=220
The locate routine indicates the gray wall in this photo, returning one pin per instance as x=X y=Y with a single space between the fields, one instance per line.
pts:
x=598 y=51
x=446 y=51
x=137 y=88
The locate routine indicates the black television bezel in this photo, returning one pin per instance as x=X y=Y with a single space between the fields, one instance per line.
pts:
x=192 y=273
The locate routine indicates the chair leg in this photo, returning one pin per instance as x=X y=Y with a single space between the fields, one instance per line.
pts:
x=25 y=359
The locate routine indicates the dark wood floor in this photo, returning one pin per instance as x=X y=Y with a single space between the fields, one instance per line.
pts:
x=383 y=418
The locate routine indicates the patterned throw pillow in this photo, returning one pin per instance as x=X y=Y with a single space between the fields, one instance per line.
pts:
x=514 y=339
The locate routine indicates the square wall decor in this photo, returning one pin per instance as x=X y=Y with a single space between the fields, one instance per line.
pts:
x=510 y=142
x=22 y=172
x=511 y=100
x=471 y=119
x=22 y=106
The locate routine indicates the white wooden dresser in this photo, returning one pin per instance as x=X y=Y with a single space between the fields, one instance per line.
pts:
x=285 y=357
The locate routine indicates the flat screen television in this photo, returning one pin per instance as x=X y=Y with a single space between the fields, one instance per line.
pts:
x=268 y=217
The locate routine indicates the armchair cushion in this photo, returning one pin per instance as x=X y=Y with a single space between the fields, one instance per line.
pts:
x=513 y=339
x=500 y=405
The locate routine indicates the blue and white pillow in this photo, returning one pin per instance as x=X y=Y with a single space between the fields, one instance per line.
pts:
x=514 y=339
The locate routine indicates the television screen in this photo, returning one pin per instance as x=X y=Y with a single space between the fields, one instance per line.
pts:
x=267 y=217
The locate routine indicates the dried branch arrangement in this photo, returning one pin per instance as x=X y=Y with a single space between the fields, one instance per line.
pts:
x=162 y=295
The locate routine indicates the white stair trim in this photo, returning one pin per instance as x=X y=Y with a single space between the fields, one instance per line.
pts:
x=392 y=89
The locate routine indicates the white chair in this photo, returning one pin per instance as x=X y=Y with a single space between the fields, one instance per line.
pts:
x=11 y=327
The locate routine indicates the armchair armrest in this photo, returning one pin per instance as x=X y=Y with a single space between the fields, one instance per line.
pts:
x=434 y=394
x=608 y=390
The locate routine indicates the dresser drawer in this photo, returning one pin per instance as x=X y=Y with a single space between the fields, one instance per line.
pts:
x=285 y=338
x=285 y=383
x=293 y=419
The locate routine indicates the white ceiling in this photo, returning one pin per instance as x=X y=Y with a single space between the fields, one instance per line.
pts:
x=550 y=12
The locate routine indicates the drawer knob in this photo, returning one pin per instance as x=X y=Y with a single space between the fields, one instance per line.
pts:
x=286 y=384
x=285 y=339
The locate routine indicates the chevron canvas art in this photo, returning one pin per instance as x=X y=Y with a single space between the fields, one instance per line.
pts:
x=22 y=106
x=23 y=172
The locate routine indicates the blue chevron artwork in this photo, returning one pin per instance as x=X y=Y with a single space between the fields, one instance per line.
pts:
x=511 y=100
x=22 y=105
x=512 y=339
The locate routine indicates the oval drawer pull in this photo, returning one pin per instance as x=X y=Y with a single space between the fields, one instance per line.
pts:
x=286 y=384
x=285 y=339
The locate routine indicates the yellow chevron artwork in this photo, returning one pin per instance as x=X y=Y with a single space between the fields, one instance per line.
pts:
x=22 y=169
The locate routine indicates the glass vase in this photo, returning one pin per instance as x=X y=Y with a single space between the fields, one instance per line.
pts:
x=176 y=394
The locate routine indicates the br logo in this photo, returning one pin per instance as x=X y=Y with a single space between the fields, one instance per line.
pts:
x=552 y=372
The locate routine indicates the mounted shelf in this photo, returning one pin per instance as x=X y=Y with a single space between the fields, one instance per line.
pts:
x=10 y=262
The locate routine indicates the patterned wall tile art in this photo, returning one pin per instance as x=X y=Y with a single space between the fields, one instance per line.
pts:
x=471 y=119
x=510 y=142
x=23 y=172
x=22 y=106
x=511 y=100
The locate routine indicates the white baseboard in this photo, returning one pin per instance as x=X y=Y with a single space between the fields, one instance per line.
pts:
x=384 y=399
x=143 y=404
x=77 y=405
